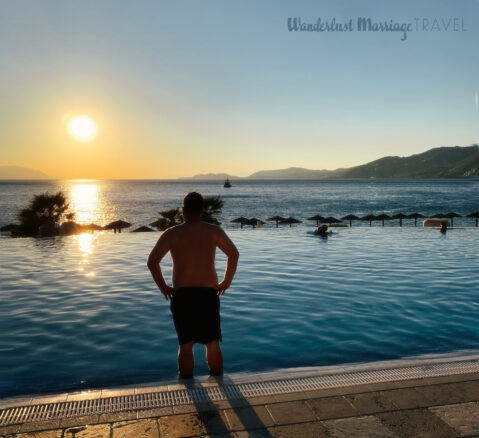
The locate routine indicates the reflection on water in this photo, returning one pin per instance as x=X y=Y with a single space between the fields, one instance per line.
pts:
x=363 y=294
x=85 y=201
x=85 y=243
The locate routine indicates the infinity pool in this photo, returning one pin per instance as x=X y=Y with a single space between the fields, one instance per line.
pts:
x=83 y=311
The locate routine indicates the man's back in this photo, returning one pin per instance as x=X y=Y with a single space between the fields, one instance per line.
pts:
x=195 y=302
x=193 y=247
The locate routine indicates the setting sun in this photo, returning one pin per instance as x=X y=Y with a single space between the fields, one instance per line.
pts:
x=82 y=128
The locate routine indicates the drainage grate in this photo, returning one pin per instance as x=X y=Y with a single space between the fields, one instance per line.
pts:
x=50 y=411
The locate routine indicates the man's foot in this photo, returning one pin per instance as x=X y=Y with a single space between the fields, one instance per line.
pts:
x=216 y=373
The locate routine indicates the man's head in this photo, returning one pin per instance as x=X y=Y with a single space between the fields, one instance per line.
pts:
x=192 y=205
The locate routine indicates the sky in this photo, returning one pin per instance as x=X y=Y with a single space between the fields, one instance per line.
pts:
x=187 y=87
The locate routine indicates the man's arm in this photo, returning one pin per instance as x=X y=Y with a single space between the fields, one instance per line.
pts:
x=156 y=255
x=228 y=247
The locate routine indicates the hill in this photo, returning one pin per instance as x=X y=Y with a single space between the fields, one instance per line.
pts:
x=441 y=162
x=212 y=176
x=18 y=172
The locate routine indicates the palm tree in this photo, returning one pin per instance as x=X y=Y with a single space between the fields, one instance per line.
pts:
x=212 y=209
x=169 y=218
x=43 y=214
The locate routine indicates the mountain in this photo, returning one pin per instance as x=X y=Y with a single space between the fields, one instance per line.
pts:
x=17 y=172
x=212 y=176
x=292 y=173
x=441 y=162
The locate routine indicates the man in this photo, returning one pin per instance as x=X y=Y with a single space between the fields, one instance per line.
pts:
x=195 y=293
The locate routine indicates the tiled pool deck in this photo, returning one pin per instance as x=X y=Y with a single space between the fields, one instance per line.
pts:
x=433 y=406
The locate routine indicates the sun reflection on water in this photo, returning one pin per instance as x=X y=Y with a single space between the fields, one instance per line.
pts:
x=85 y=243
x=85 y=201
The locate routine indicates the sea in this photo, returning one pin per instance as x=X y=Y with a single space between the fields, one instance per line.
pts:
x=82 y=311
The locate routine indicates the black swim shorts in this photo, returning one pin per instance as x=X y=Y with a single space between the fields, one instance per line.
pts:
x=196 y=314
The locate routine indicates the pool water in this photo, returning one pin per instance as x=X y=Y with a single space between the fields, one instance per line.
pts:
x=84 y=312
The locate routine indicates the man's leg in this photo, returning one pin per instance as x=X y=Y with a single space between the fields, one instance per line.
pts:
x=214 y=357
x=186 y=360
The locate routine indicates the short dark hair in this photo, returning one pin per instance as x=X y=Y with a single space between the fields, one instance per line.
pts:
x=193 y=203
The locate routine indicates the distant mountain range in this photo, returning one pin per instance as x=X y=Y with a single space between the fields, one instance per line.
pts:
x=17 y=172
x=441 y=162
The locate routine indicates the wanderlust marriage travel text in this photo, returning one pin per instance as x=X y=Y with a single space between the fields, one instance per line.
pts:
x=363 y=24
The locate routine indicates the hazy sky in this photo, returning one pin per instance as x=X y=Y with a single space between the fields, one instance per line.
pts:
x=185 y=87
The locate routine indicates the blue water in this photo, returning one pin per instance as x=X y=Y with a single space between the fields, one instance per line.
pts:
x=83 y=311
x=139 y=202
x=83 y=314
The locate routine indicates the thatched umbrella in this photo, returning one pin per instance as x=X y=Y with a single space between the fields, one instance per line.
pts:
x=255 y=221
x=399 y=216
x=142 y=229
x=350 y=218
x=276 y=219
x=117 y=225
x=330 y=220
x=382 y=217
x=438 y=215
x=241 y=220
x=475 y=215
x=451 y=215
x=415 y=216
x=369 y=217
x=316 y=218
x=290 y=220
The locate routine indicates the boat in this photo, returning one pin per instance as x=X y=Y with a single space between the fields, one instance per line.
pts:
x=227 y=183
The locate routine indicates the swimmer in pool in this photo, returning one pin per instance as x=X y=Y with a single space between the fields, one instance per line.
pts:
x=323 y=230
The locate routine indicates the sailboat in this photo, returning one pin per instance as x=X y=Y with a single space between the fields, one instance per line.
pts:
x=227 y=183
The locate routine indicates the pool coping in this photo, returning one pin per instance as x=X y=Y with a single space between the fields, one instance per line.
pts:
x=424 y=366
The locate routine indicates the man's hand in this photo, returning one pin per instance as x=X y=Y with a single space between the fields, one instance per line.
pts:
x=221 y=287
x=167 y=291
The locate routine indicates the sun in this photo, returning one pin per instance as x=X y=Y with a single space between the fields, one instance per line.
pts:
x=82 y=128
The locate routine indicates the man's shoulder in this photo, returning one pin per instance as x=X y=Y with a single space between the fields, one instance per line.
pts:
x=172 y=230
x=212 y=228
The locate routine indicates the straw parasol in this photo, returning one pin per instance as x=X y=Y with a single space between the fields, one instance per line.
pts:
x=438 y=216
x=330 y=220
x=142 y=229
x=316 y=218
x=383 y=217
x=241 y=220
x=475 y=215
x=399 y=216
x=369 y=217
x=290 y=220
x=117 y=225
x=350 y=218
x=451 y=215
x=255 y=221
x=415 y=216
x=276 y=219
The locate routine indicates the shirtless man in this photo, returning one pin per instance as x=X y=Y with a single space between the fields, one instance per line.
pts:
x=195 y=292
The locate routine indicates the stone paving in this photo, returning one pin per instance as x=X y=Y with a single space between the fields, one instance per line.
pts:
x=431 y=407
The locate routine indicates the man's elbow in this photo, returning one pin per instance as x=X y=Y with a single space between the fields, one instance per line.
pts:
x=150 y=263
x=234 y=255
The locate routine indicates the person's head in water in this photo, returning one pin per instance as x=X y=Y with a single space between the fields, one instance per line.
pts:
x=443 y=227
x=192 y=206
x=323 y=229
